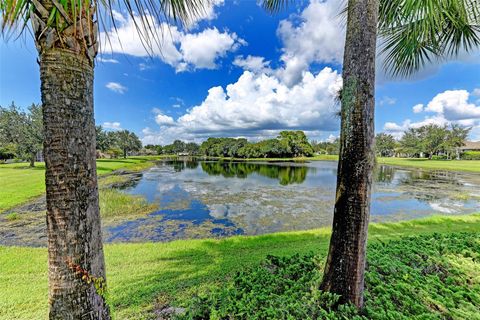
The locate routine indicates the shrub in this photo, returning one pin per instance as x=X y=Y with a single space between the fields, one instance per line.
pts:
x=471 y=155
x=279 y=288
x=423 y=277
x=435 y=157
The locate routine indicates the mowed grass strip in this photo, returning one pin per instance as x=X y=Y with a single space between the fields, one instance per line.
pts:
x=451 y=165
x=19 y=183
x=139 y=274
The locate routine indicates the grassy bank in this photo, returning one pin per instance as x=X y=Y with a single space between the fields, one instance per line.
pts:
x=142 y=275
x=453 y=165
x=20 y=183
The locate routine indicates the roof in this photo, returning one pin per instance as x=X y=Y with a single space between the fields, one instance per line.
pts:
x=471 y=145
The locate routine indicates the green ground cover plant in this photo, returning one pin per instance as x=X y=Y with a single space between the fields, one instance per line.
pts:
x=143 y=277
x=421 y=277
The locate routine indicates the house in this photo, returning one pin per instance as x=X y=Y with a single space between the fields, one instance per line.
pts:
x=470 y=146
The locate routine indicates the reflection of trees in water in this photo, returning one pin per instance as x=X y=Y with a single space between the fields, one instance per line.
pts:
x=384 y=174
x=422 y=185
x=285 y=174
x=179 y=165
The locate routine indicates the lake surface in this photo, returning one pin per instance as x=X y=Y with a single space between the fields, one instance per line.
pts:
x=212 y=198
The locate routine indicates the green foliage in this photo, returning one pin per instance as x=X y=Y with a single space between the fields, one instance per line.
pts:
x=127 y=141
x=427 y=277
x=385 y=144
x=471 y=155
x=422 y=277
x=287 y=144
x=279 y=288
x=433 y=139
x=327 y=147
x=114 y=153
x=416 y=32
x=21 y=133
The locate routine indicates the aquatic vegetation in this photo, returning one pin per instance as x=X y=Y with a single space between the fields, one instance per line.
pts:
x=115 y=204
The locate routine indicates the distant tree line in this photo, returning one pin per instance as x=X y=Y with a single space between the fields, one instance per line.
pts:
x=431 y=141
x=288 y=144
x=21 y=133
x=326 y=147
x=115 y=144
x=21 y=136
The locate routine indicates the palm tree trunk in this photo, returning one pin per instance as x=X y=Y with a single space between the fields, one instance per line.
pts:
x=73 y=217
x=345 y=267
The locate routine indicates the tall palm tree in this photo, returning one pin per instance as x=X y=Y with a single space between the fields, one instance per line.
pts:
x=66 y=37
x=413 y=32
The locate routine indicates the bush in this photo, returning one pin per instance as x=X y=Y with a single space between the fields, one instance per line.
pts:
x=423 y=277
x=114 y=153
x=280 y=288
x=471 y=155
x=435 y=157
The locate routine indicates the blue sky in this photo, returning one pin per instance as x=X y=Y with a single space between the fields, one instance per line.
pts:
x=240 y=72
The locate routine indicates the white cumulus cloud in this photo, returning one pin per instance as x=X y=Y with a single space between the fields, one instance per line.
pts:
x=112 y=125
x=183 y=51
x=319 y=37
x=448 y=107
x=417 y=108
x=116 y=87
x=253 y=63
x=257 y=106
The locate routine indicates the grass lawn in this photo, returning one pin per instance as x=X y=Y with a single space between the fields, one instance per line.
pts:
x=139 y=275
x=454 y=165
x=20 y=183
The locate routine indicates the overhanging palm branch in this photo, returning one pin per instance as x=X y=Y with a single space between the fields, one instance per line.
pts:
x=77 y=16
x=413 y=32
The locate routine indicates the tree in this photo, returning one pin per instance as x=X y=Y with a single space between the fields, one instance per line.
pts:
x=456 y=138
x=127 y=141
x=102 y=139
x=22 y=133
x=66 y=36
x=411 y=142
x=178 y=146
x=414 y=32
x=385 y=144
x=192 y=148
x=433 y=138
x=296 y=142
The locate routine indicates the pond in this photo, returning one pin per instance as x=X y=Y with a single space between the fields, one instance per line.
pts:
x=220 y=198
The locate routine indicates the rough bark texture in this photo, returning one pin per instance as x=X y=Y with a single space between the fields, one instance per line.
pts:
x=73 y=216
x=345 y=267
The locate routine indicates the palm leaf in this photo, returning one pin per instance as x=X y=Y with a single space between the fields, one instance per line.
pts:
x=415 y=32
x=63 y=14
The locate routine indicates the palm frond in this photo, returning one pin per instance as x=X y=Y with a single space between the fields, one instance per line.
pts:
x=274 y=6
x=414 y=32
x=60 y=15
